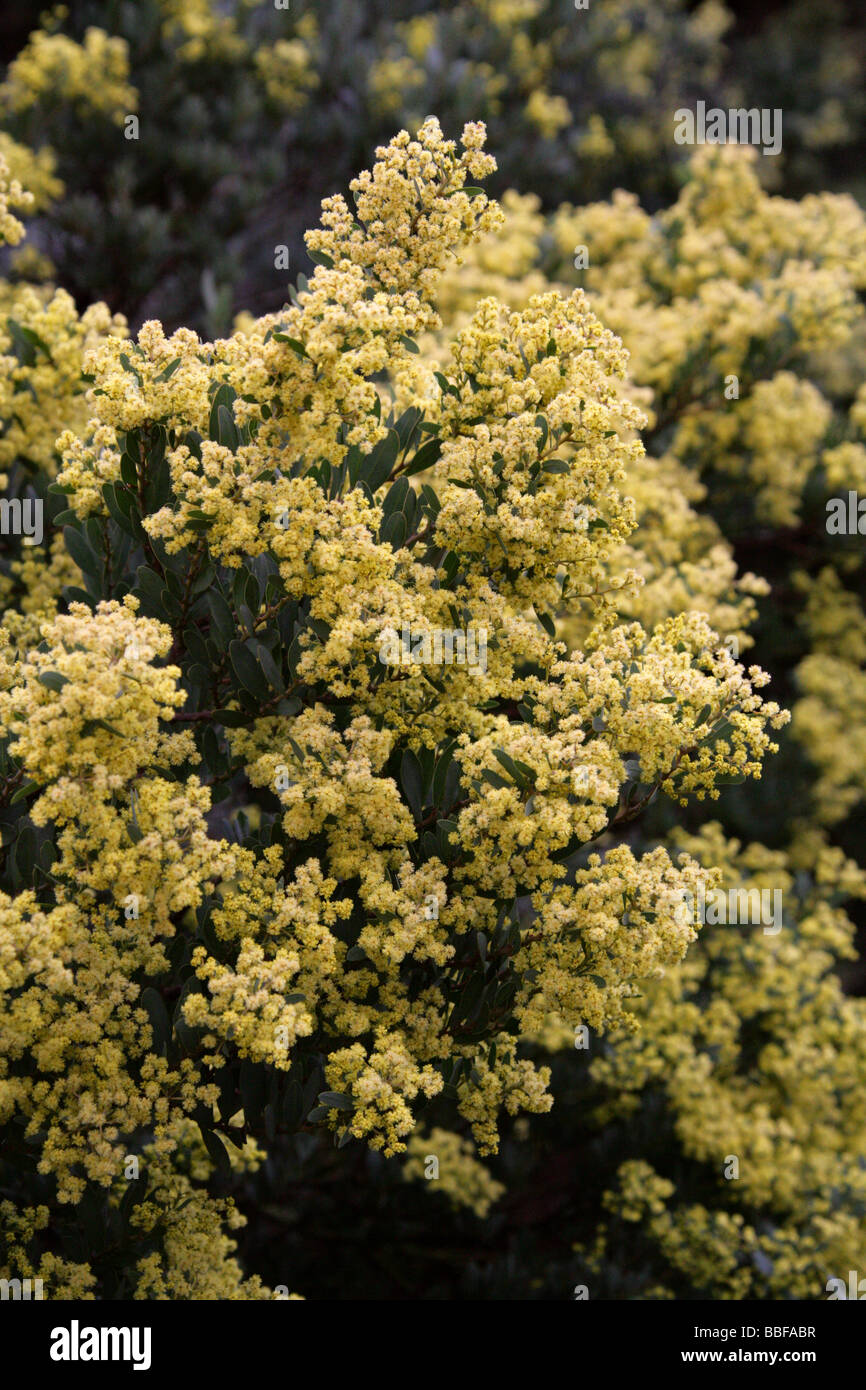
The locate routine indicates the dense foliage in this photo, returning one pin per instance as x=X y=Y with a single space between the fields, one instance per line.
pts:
x=328 y=965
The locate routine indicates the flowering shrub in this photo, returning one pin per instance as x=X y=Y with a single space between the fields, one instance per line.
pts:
x=195 y=140
x=301 y=933
x=392 y=911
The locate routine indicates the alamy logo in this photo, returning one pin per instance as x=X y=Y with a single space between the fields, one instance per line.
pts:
x=76 y=1343
x=16 y=1288
x=745 y=906
x=856 y=1287
x=19 y=518
x=434 y=647
x=846 y=517
x=737 y=126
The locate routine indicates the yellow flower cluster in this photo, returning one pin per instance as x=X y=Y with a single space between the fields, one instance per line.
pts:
x=33 y=170
x=195 y=1260
x=82 y=712
x=403 y=947
x=829 y=718
x=757 y=1052
x=390 y=79
x=31 y=592
x=201 y=31
x=714 y=298
x=91 y=76
x=308 y=368
x=458 y=1174
x=681 y=557
x=541 y=380
x=12 y=195
x=42 y=391
x=547 y=112
x=286 y=73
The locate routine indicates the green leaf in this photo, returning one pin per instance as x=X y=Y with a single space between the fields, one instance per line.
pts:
x=395 y=497
x=228 y=1101
x=253 y=1087
x=153 y=1002
x=443 y=763
x=231 y=718
x=217 y=1152
x=23 y=791
x=25 y=852
x=407 y=426
x=508 y=763
x=53 y=680
x=221 y=616
x=134 y=831
x=426 y=456
x=393 y=531
x=289 y=707
x=169 y=604
x=252 y=593
x=336 y=1100
x=204 y=580
x=198 y=674
x=196 y=646
x=90 y=724
x=128 y=367
x=270 y=668
x=227 y=430
x=28 y=340
x=494 y=779
x=121 y=514
x=128 y=470
x=80 y=551
x=224 y=395
x=293 y=343
x=450 y=567
x=409 y=343
x=183 y=1031
x=412 y=782
x=149 y=585
x=73 y=594
x=136 y=1191
x=381 y=460
x=248 y=670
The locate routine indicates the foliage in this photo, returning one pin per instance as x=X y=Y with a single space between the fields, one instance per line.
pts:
x=283 y=917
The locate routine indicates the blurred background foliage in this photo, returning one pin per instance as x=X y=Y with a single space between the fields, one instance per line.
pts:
x=250 y=114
